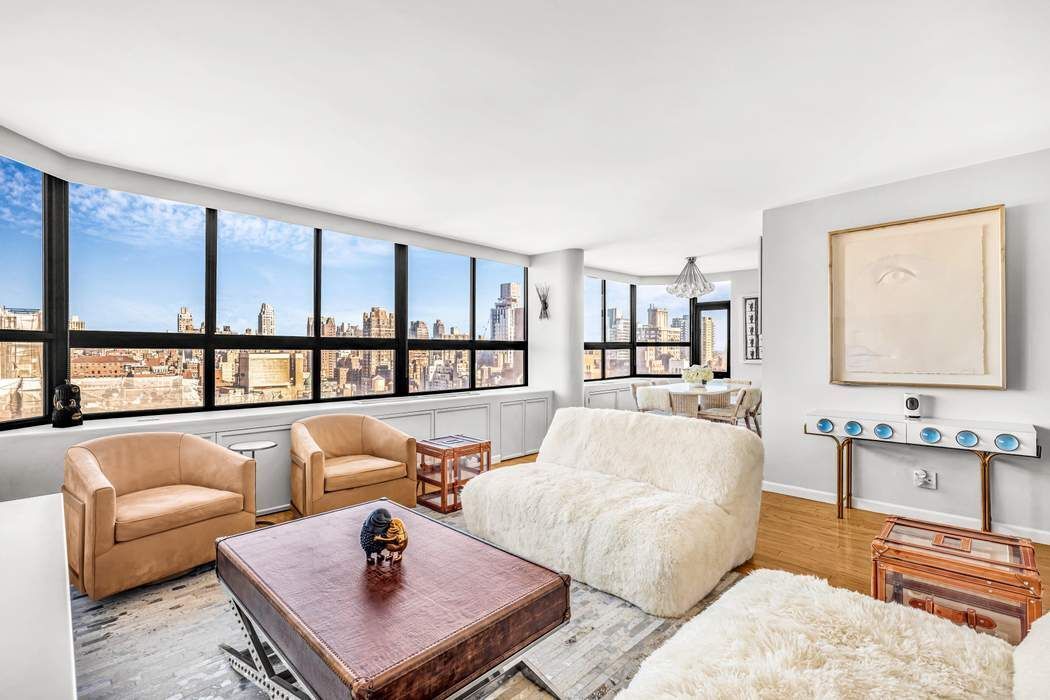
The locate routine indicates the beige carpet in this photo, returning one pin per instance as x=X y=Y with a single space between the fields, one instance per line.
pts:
x=161 y=641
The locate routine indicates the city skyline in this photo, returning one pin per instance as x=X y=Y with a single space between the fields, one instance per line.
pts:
x=660 y=318
x=118 y=379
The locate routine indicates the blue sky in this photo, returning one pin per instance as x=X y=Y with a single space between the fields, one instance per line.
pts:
x=439 y=288
x=135 y=260
x=20 y=235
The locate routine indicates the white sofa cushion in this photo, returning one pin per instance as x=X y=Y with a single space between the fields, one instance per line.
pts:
x=778 y=635
x=660 y=550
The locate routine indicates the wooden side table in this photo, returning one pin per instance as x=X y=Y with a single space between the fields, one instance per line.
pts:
x=445 y=462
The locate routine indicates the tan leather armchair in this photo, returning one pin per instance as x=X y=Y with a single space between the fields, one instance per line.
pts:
x=343 y=459
x=145 y=506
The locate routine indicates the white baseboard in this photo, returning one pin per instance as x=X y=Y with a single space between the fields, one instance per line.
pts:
x=1042 y=536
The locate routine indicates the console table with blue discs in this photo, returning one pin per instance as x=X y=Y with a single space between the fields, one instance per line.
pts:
x=984 y=439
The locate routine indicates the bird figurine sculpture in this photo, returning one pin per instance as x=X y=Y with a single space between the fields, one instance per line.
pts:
x=383 y=538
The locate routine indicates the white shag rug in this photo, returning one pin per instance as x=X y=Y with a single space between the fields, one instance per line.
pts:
x=779 y=635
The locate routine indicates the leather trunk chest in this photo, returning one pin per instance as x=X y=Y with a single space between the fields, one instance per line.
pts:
x=452 y=609
x=985 y=581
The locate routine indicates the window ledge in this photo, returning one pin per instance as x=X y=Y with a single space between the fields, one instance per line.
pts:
x=251 y=417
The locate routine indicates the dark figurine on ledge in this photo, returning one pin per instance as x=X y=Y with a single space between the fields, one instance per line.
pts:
x=65 y=406
x=383 y=538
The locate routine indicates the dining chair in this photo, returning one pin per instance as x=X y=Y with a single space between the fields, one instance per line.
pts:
x=741 y=382
x=684 y=404
x=730 y=414
x=715 y=399
x=634 y=388
x=649 y=400
x=751 y=416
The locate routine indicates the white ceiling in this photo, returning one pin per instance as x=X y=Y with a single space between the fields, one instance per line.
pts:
x=641 y=131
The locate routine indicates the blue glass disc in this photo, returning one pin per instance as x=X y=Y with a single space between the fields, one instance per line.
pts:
x=966 y=438
x=883 y=431
x=930 y=435
x=1007 y=442
x=853 y=428
x=825 y=426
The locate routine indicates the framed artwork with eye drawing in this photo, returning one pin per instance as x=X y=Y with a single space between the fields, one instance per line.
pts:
x=920 y=302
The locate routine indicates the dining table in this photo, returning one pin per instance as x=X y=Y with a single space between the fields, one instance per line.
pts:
x=657 y=397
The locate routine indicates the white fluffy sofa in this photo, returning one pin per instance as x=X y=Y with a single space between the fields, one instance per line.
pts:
x=653 y=509
x=778 y=635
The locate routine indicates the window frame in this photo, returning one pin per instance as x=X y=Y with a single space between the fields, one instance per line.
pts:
x=54 y=213
x=696 y=307
x=58 y=339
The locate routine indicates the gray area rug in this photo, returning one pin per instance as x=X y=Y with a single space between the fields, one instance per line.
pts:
x=162 y=641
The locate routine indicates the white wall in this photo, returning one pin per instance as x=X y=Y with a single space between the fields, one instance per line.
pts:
x=556 y=343
x=795 y=265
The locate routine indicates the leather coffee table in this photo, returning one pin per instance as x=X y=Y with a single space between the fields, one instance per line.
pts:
x=451 y=616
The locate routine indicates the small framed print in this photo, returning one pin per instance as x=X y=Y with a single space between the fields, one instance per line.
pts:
x=752 y=334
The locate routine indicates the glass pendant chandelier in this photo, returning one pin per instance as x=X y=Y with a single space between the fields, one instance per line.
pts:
x=691 y=282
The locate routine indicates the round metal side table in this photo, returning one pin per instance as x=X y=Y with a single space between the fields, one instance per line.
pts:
x=248 y=448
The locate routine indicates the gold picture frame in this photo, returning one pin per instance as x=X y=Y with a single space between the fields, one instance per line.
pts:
x=920 y=302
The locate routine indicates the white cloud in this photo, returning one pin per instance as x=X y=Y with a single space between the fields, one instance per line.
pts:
x=133 y=219
x=20 y=194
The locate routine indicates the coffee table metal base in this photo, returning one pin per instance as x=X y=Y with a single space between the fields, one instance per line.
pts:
x=259 y=661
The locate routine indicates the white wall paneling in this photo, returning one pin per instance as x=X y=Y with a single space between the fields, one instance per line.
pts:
x=537 y=418
x=272 y=482
x=472 y=421
x=795 y=363
x=610 y=393
x=602 y=399
x=31 y=459
x=512 y=429
x=419 y=425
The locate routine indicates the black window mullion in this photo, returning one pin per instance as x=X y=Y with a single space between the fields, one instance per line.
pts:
x=56 y=283
x=315 y=362
x=211 y=284
x=605 y=325
x=525 y=330
x=472 y=355
x=634 y=331
x=401 y=319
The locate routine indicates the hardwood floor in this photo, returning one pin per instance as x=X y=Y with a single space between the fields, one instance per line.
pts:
x=804 y=537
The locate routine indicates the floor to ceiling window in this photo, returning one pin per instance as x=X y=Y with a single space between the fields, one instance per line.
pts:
x=136 y=281
x=641 y=330
x=607 y=329
x=158 y=306
x=23 y=334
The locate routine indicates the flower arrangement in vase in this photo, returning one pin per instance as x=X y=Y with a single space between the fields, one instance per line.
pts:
x=697 y=375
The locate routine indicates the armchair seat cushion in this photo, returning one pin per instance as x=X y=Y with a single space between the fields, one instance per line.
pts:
x=147 y=512
x=353 y=471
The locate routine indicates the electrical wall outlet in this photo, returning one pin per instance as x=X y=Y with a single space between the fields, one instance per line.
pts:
x=924 y=479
